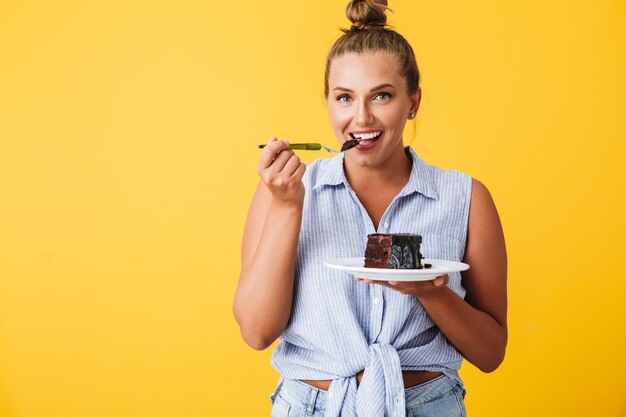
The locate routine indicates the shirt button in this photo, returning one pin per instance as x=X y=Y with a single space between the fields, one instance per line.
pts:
x=376 y=300
x=397 y=400
x=386 y=225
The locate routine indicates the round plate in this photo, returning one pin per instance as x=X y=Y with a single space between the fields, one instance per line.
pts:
x=356 y=268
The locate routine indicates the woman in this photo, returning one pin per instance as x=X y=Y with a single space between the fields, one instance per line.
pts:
x=400 y=343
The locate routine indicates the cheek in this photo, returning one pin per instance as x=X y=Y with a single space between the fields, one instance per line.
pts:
x=394 y=118
x=339 y=118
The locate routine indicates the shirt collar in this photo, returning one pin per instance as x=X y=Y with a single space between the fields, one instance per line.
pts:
x=420 y=180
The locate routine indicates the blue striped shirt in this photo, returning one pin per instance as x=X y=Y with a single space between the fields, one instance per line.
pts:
x=338 y=326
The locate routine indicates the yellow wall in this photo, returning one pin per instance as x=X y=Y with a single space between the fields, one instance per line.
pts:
x=128 y=133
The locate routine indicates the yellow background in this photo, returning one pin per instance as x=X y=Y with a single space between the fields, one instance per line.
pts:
x=128 y=133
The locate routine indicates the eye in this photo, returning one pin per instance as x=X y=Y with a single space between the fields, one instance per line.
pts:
x=344 y=98
x=383 y=95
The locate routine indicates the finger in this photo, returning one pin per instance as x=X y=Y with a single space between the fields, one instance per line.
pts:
x=299 y=173
x=383 y=283
x=269 y=152
x=440 y=281
x=280 y=161
x=291 y=166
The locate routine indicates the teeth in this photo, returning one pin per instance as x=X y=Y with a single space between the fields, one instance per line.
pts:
x=365 y=136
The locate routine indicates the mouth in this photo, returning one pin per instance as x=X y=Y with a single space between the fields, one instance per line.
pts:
x=365 y=140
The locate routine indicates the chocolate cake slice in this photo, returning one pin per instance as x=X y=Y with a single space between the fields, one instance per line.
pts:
x=393 y=251
x=349 y=144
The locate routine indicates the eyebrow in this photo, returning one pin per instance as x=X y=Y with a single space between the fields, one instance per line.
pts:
x=371 y=91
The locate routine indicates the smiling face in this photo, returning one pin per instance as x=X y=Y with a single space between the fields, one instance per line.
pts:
x=368 y=100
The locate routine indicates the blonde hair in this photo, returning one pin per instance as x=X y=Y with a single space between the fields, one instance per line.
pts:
x=371 y=33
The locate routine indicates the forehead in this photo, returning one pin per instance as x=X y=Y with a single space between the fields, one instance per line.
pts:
x=364 y=70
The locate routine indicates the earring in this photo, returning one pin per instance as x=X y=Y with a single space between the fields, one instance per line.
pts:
x=411 y=115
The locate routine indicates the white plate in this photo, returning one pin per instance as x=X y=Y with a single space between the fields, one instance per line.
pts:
x=356 y=268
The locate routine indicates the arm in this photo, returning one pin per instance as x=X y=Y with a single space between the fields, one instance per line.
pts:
x=263 y=299
x=476 y=326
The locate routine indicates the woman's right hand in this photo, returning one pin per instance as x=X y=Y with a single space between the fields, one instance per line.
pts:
x=281 y=171
x=263 y=301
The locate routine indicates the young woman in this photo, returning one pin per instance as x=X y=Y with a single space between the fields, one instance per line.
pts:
x=352 y=346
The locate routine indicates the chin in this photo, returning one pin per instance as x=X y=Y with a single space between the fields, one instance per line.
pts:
x=366 y=160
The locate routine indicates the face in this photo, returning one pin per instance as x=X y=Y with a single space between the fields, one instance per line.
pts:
x=368 y=100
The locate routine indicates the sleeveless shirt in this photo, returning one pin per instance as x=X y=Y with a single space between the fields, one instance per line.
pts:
x=338 y=326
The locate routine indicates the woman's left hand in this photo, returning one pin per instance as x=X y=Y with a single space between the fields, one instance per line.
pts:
x=415 y=288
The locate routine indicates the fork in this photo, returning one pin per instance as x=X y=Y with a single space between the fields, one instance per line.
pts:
x=307 y=147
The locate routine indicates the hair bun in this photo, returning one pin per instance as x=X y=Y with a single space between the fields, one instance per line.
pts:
x=367 y=14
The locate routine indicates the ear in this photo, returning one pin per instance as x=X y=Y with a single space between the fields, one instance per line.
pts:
x=415 y=100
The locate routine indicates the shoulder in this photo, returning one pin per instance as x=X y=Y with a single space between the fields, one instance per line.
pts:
x=483 y=215
x=450 y=177
x=481 y=200
x=480 y=193
x=440 y=180
x=451 y=183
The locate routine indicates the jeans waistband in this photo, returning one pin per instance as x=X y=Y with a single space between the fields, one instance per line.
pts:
x=297 y=392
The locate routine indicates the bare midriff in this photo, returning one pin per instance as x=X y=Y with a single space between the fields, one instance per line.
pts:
x=410 y=378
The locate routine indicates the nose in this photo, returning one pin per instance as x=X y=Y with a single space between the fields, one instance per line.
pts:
x=363 y=116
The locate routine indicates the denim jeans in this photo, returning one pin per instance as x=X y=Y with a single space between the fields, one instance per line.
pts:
x=439 y=397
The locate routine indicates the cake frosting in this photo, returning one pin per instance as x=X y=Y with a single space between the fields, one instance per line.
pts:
x=393 y=251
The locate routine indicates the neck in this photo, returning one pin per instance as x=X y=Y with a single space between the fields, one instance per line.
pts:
x=395 y=172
